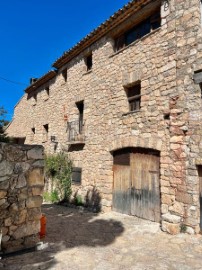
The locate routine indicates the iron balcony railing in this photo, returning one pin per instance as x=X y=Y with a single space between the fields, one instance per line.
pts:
x=76 y=131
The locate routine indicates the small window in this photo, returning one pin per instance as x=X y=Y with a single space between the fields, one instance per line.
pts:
x=45 y=133
x=64 y=74
x=32 y=134
x=47 y=90
x=201 y=89
x=46 y=128
x=134 y=97
x=80 y=106
x=89 y=62
x=76 y=175
x=35 y=97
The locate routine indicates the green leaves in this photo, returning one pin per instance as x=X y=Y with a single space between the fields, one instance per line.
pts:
x=59 y=168
x=3 y=123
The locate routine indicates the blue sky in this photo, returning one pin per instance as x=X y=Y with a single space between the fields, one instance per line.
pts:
x=34 y=33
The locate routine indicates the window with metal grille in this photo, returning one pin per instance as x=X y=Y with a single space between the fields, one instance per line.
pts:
x=134 y=97
x=138 y=31
x=76 y=175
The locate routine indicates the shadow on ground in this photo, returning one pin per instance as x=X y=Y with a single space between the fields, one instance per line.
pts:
x=71 y=228
x=66 y=228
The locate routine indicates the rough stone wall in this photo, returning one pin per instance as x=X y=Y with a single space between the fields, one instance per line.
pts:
x=169 y=119
x=181 y=198
x=21 y=186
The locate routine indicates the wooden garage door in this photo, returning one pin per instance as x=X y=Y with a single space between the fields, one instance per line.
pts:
x=136 y=183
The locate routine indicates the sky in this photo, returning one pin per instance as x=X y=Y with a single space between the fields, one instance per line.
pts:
x=34 y=33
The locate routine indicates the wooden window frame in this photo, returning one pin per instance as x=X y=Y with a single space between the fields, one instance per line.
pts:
x=153 y=22
x=76 y=175
x=134 y=101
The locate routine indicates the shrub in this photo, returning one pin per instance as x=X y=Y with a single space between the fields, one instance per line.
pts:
x=58 y=168
x=78 y=200
x=3 y=124
x=51 y=197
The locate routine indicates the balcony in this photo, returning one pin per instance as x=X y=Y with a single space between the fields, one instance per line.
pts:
x=75 y=131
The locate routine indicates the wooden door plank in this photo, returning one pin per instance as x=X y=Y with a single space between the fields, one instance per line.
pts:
x=121 y=191
x=145 y=192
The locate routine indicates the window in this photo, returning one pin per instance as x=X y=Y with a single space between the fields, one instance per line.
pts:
x=76 y=175
x=80 y=106
x=45 y=133
x=47 y=90
x=138 y=31
x=64 y=74
x=200 y=84
x=134 y=97
x=89 y=62
x=35 y=97
x=19 y=140
x=32 y=133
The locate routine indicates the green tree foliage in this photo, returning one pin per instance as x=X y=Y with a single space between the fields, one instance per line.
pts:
x=58 y=169
x=3 y=124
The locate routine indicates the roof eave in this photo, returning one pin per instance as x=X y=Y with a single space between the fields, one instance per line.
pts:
x=120 y=16
x=48 y=76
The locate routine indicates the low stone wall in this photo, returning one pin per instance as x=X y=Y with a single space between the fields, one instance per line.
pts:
x=21 y=187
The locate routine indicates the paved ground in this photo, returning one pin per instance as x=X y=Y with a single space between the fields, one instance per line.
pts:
x=106 y=242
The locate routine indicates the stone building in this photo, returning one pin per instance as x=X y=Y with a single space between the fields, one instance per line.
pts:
x=125 y=103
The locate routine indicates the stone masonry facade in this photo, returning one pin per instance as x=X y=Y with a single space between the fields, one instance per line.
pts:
x=21 y=187
x=164 y=61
